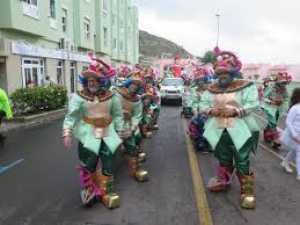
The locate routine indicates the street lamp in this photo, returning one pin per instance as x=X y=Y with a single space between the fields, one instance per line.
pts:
x=218 y=23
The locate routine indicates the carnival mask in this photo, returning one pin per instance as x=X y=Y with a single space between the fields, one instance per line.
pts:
x=224 y=80
x=93 y=85
x=133 y=89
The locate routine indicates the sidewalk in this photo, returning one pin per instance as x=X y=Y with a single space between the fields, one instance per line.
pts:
x=20 y=123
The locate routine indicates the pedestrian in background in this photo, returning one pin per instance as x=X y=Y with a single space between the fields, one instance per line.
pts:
x=291 y=134
x=5 y=110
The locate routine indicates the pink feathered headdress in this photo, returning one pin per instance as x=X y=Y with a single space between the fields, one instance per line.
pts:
x=227 y=62
x=98 y=68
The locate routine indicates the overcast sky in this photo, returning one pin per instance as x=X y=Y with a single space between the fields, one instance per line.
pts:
x=259 y=31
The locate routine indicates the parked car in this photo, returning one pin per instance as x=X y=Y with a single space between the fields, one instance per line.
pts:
x=172 y=89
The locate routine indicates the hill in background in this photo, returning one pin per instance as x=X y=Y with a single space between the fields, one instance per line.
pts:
x=154 y=46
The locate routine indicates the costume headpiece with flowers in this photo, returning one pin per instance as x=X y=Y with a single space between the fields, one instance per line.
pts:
x=150 y=75
x=281 y=77
x=228 y=62
x=134 y=78
x=124 y=70
x=200 y=73
x=98 y=69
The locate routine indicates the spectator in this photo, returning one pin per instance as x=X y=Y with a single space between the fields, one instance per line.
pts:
x=5 y=110
x=291 y=134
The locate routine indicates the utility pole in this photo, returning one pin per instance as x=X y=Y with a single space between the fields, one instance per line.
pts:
x=218 y=24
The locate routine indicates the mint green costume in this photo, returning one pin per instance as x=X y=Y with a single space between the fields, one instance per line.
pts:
x=232 y=139
x=90 y=146
x=272 y=111
x=133 y=114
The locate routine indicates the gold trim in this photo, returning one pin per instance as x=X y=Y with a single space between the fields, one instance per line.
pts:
x=100 y=122
x=89 y=97
x=235 y=85
x=124 y=93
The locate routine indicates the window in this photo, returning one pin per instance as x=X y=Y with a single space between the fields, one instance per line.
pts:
x=52 y=9
x=105 y=36
x=115 y=43
x=105 y=5
x=121 y=46
x=87 y=28
x=113 y=19
x=64 y=20
x=60 y=72
x=172 y=82
x=30 y=8
x=33 y=72
x=73 y=77
x=30 y=2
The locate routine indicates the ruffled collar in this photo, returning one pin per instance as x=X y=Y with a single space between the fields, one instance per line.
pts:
x=236 y=85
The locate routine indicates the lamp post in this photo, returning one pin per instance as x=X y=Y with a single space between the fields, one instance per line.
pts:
x=218 y=24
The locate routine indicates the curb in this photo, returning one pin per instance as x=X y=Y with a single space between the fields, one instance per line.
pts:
x=37 y=116
x=24 y=122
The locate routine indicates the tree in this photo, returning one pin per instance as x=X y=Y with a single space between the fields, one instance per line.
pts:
x=209 y=57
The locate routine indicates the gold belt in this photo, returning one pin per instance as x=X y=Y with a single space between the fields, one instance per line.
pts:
x=100 y=122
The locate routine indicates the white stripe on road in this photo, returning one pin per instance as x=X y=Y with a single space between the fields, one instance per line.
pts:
x=11 y=165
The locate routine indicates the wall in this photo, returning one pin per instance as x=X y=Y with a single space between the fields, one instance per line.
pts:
x=14 y=73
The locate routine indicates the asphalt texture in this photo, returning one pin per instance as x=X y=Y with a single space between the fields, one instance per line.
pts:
x=43 y=187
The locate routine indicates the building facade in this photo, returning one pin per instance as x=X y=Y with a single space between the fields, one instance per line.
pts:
x=40 y=38
x=262 y=71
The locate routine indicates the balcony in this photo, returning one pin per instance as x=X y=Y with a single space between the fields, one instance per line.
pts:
x=30 y=10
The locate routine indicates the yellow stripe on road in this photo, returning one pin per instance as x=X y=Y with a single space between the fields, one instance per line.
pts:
x=204 y=213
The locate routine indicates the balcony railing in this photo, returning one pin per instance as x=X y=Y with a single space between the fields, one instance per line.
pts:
x=30 y=10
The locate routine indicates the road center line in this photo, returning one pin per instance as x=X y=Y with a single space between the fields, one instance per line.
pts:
x=11 y=165
x=204 y=214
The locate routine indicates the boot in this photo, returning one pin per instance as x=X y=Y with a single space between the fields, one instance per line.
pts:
x=247 y=191
x=135 y=171
x=105 y=184
x=89 y=191
x=222 y=181
x=141 y=155
x=275 y=139
x=155 y=126
x=267 y=135
x=146 y=132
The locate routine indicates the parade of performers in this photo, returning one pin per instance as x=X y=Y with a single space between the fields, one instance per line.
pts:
x=109 y=118
x=275 y=104
x=105 y=120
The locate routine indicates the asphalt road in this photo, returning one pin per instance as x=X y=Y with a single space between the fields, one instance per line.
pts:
x=42 y=186
x=44 y=189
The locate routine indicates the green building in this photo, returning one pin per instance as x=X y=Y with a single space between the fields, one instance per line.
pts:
x=40 y=38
